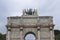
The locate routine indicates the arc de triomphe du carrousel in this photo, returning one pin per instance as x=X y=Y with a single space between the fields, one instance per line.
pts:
x=30 y=23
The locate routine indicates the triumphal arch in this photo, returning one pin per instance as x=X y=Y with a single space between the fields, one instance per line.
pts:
x=30 y=23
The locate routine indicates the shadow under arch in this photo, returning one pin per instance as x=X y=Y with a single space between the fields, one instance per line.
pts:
x=30 y=33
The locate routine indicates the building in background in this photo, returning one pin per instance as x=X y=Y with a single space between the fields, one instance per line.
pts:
x=30 y=23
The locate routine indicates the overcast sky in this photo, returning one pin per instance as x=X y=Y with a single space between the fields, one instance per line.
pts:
x=14 y=8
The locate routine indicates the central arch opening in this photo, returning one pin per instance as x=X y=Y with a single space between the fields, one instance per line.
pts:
x=30 y=36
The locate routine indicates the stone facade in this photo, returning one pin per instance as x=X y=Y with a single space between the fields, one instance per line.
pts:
x=40 y=26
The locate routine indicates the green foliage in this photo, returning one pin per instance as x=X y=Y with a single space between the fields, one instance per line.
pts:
x=57 y=37
x=57 y=34
x=2 y=36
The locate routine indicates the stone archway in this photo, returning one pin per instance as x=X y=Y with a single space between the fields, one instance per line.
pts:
x=30 y=36
x=20 y=26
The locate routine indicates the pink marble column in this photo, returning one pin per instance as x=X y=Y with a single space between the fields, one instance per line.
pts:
x=21 y=33
x=38 y=33
x=51 y=33
x=8 y=34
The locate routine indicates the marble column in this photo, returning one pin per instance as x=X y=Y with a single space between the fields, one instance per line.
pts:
x=8 y=34
x=38 y=33
x=21 y=33
x=51 y=34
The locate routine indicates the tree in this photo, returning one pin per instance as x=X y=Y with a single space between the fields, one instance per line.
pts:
x=2 y=36
x=57 y=37
x=57 y=34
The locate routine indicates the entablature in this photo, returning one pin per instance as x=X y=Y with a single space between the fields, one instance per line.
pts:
x=31 y=26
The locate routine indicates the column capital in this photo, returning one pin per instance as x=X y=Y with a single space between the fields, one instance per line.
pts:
x=38 y=28
x=51 y=28
x=21 y=28
x=9 y=29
